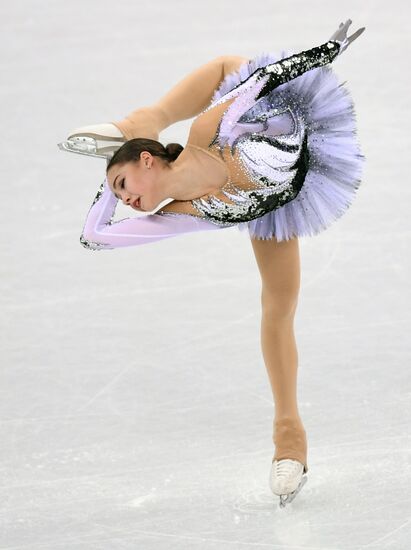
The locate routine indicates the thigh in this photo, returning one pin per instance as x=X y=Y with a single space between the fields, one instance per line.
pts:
x=279 y=266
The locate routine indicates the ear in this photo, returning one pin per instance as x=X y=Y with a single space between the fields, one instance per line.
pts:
x=146 y=158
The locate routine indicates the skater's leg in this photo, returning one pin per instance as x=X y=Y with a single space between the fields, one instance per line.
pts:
x=279 y=266
x=145 y=122
x=185 y=100
x=103 y=140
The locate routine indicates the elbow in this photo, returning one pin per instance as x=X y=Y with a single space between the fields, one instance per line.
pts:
x=87 y=242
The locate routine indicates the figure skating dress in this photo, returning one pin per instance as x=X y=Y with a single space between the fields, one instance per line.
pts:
x=284 y=128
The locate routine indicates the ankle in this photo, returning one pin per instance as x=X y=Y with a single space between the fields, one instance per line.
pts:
x=290 y=439
x=291 y=420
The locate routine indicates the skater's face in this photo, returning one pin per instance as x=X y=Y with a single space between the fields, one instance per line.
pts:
x=134 y=182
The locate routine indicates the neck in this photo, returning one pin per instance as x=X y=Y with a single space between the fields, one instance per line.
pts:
x=179 y=181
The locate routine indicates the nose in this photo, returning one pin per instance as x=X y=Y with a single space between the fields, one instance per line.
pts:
x=125 y=200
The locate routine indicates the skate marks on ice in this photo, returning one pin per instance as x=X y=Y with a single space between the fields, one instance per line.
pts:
x=289 y=527
x=255 y=500
x=261 y=500
x=344 y=479
x=258 y=498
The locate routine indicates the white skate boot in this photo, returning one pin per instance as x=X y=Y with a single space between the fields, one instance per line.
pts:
x=287 y=479
x=99 y=140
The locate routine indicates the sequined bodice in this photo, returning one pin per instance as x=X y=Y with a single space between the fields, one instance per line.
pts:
x=250 y=190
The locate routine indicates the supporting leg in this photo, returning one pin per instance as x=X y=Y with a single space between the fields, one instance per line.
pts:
x=279 y=266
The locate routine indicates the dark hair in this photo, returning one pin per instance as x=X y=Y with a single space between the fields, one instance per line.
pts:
x=132 y=148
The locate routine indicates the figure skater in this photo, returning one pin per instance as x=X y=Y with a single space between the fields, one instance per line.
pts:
x=272 y=150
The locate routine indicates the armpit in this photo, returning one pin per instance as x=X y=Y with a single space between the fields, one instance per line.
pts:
x=232 y=63
x=180 y=207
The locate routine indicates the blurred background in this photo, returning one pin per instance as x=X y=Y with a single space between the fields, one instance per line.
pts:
x=136 y=411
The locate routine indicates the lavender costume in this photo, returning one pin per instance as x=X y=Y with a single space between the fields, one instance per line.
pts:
x=293 y=126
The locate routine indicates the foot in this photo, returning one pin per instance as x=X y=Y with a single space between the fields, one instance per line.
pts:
x=99 y=130
x=285 y=476
x=98 y=140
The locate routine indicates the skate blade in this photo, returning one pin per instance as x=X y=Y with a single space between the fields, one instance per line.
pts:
x=87 y=146
x=286 y=499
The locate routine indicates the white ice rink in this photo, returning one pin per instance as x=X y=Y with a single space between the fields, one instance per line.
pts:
x=136 y=412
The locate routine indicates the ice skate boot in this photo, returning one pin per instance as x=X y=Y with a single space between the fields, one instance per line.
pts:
x=99 y=140
x=287 y=479
x=290 y=460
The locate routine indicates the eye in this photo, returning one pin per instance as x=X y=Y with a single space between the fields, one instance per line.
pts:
x=122 y=184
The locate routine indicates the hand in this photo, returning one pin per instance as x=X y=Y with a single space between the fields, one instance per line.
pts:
x=340 y=35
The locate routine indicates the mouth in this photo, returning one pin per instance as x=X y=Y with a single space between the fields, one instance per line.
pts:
x=137 y=203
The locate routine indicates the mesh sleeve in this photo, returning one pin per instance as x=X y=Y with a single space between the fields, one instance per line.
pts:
x=291 y=67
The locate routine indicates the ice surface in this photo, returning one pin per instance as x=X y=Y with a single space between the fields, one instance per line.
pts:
x=136 y=411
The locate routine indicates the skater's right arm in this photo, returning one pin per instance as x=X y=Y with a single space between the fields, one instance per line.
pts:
x=101 y=232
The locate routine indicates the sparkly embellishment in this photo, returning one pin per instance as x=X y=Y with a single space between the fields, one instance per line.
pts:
x=99 y=193
x=90 y=245
x=274 y=165
x=294 y=66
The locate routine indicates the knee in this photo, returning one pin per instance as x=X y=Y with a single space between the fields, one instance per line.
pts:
x=279 y=305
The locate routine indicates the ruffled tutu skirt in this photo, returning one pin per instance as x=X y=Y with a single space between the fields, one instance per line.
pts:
x=332 y=180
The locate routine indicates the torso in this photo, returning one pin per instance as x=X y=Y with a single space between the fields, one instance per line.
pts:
x=206 y=161
x=244 y=182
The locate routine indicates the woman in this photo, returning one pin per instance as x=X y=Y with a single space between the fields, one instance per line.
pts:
x=272 y=150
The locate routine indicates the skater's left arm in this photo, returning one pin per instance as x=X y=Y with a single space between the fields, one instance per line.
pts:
x=100 y=232
x=291 y=67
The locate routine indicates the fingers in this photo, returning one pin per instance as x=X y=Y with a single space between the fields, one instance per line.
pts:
x=342 y=29
x=356 y=34
x=341 y=33
x=337 y=32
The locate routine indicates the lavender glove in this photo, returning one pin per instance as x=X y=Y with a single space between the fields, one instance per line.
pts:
x=340 y=35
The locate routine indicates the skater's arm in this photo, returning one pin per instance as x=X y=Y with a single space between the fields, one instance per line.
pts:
x=193 y=94
x=291 y=67
x=100 y=232
x=287 y=69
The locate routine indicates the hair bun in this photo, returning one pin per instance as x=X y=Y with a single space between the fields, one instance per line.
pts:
x=173 y=150
x=131 y=150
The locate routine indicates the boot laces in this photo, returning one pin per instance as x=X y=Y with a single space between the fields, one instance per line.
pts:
x=286 y=467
